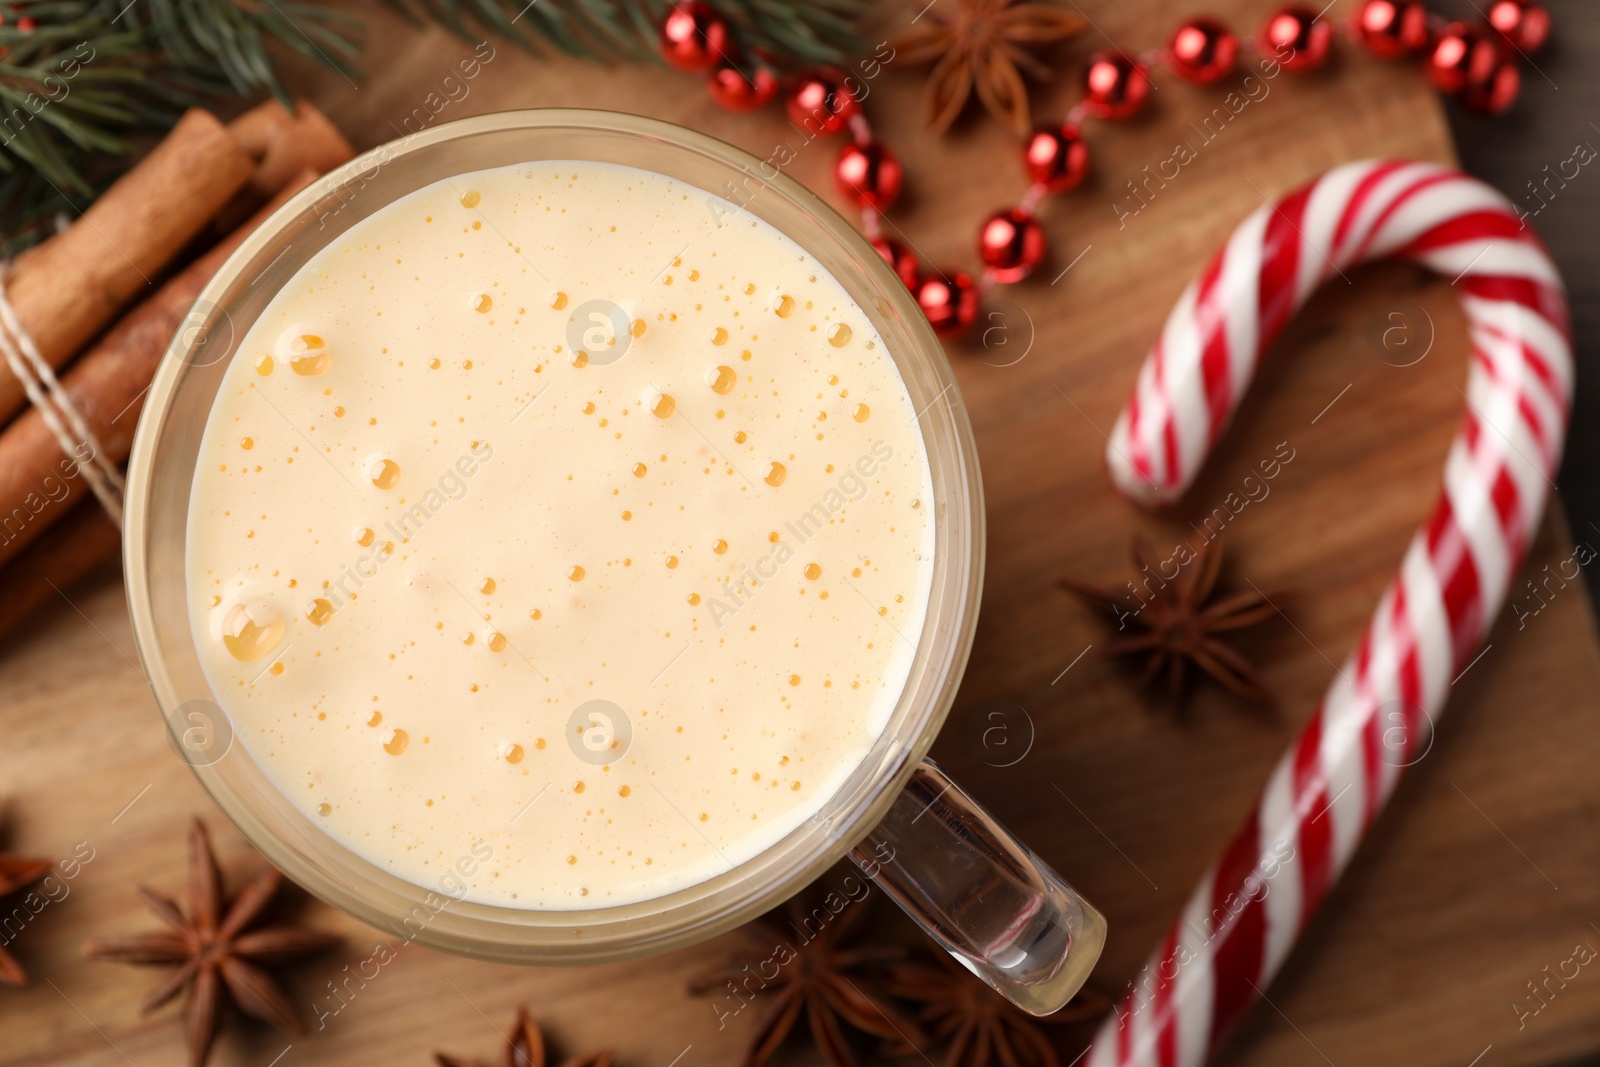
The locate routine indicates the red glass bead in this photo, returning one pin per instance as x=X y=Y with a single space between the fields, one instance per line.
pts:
x=950 y=301
x=26 y=24
x=1393 y=29
x=1524 y=23
x=1494 y=94
x=1011 y=243
x=821 y=102
x=1056 y=157
x=1472 y=64
x=1114 y=86
x=1462 y=55
x=737 y=91
x=901 y=259
x=869 y=174
x=694 y=37
x=1203 y=51
x=1298 y=38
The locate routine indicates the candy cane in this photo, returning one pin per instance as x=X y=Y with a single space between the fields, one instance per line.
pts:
x=1245 y=915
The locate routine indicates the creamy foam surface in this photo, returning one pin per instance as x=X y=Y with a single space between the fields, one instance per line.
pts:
x=552 y=516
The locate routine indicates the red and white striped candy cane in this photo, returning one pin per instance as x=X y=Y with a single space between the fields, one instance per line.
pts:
x=1245 y=915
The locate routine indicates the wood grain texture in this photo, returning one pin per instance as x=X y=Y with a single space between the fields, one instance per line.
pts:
x=1451 y=906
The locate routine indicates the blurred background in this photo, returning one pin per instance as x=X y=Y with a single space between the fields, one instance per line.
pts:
x=1558 y=106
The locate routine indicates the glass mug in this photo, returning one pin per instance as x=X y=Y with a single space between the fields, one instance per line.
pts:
x=973 y=887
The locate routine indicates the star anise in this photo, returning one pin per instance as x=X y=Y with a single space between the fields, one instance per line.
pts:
x=983 y=45
x=1176 y=620
x=977 y=1026
x=812 y=968
x=218 y=950
x=525 y=1048
x=17 y=874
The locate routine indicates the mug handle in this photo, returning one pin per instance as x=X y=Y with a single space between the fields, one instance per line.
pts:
x=982 y=894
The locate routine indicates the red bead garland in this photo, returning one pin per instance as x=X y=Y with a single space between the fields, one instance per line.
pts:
x=1298 y=38
x=1525 y=24
x=1473 y=63
x=1393 y=29
x=869 y=174
x=821 y=102
x=1056 y=157
x=694 y=37
x=1011 y=243
x=950 y=302
x=1497 y=91
x=1114 y=86
x=1459 y=55
x=1473 y=66
x=1203 y=51
x=900 y=259
x=737 y=90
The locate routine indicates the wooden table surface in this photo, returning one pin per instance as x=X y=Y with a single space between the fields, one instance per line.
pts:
x=1481 y=873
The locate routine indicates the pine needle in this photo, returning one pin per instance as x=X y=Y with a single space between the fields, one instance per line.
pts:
x=84 y=83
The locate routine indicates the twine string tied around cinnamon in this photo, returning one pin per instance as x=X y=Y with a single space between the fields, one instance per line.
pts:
x=66 y=423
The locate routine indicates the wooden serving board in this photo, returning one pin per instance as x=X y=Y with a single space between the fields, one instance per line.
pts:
x=1480 y=874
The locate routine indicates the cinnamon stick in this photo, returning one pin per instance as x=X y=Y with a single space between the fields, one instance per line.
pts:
x=257 y=129
x=283 y=145
x=38 y=484
x=68 y=288
x=81 y=541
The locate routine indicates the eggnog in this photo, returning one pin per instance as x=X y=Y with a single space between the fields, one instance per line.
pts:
x=562 y=514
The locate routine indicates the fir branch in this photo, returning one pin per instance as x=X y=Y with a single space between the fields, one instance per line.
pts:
x=69 y=86
x=83 y=82
x=230 y=37
x=789 y=31
x=819 y=31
